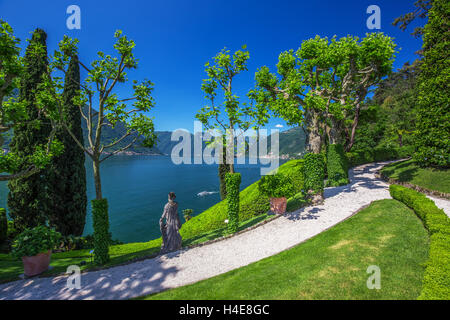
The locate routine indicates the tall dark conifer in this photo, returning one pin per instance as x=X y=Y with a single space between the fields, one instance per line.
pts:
x=432 y=138
x=68 y=173
x=28 y=197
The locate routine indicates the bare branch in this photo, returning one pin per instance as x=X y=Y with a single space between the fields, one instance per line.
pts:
x=119 y=150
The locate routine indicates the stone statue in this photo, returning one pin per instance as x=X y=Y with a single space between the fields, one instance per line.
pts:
x=170 y=225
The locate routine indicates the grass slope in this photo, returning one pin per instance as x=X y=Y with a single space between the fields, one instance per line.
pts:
x=206 y=226
x=429 y=178
x=333 y=264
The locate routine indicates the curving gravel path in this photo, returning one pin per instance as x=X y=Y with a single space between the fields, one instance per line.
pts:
x=192 y=265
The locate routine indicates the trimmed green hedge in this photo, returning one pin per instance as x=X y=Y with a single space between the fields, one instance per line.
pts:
x=359 y=157
x=314 y=169
x=276 y=186
x=233 y=181
x=337 y=166
x=251 y=204
x=101 y=230
x=3 y=225
x=436 y=281
x=435 y=219
x=296 y=202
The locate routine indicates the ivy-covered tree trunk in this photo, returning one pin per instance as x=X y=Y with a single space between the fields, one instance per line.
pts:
x=101 y=230
x=28 y=199
x=68 y=190
x=337 y=165
x=314 y=169
x=233 y=182
x=224 y=168
x=433 y=115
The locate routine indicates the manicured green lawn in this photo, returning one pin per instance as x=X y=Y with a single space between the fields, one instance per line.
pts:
x=10 y=268
x=429 y=178
x=333 y=264
x=208 y=225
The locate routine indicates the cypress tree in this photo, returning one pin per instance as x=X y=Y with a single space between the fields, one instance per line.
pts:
x=433 y=113
x=67 y=172
x=28 y=197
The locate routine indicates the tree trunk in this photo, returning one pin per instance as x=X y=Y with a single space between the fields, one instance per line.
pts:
x=354 y=126
x=313 y=138
x=335 y=131
x=97 y=180
x=400 y=140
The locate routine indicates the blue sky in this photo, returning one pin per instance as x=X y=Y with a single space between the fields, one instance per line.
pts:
x=174 y=39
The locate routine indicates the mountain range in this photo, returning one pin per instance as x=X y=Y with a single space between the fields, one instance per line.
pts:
x=292 y=141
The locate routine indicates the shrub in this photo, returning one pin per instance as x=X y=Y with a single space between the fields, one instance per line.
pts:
x=276 y=186
x=296 y=202
x=359 y=157
x=3 y=225
x=436 y=281
x=187 y=214
x=435 y=219
x=314 y=170
x=233 y=181
x=34 y=241
x=101 y=228
x=432 y=136
x=251 y=204
x=337 y=165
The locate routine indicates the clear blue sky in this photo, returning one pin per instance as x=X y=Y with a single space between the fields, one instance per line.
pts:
x=174 y=39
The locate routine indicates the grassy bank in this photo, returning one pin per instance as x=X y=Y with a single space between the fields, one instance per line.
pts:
x=428 y=178
x=333 y=264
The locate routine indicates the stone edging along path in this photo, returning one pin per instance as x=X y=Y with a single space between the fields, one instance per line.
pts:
x=194 y=264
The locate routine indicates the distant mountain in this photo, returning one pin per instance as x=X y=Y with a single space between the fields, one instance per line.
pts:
x=292 y=142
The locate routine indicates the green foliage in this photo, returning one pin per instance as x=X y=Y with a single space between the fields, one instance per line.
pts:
x=337 y=165
x=388 y=119
x=433 y=117
x=34 y=241
x=101 y=230
x=436 y=282
x=233 y=181
x=228 y=113
x=317 y=268
x=358 y=157
x=67 y=211
x=187 y=214
x=251 y=204
x=103 y=74
x=296 y=202
x=3 y=225
x=314 y=169
x=435 y=219
x=223 y=169
x=325 y=76
x=28 y=200
x=276 y=186
x=421 y=11
x=435 y=179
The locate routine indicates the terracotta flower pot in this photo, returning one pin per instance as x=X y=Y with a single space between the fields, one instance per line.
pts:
x=36 y=264
x=278 y=205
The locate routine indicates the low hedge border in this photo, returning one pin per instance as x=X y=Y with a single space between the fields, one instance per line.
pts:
x=436 y=281
x=359 y=157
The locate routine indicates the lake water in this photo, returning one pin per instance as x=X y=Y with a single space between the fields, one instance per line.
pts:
x=137 y=186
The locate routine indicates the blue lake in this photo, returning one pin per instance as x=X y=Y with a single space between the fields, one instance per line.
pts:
x=137 y=186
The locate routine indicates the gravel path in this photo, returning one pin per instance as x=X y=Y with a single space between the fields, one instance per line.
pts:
x=192 y=265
